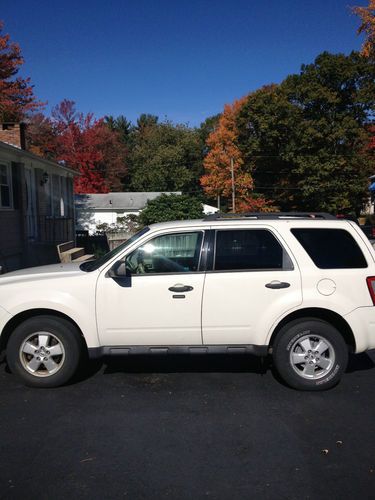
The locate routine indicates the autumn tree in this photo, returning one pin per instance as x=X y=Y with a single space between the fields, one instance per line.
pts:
x=77 y=145
x=367 y=27
x=90 y=147
x=224 y=154
x=40 y=136
x=82 y=143
x=17 y=97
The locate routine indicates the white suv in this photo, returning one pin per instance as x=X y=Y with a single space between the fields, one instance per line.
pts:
x=298 y=286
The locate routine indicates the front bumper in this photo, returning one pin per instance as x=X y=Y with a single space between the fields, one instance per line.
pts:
x=362 y=323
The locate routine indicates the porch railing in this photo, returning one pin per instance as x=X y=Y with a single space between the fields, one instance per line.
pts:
x=55 y=229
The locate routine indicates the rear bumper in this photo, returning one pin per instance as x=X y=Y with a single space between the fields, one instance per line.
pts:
x=362 y=323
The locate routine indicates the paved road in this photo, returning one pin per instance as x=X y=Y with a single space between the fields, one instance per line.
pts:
x=188 y=427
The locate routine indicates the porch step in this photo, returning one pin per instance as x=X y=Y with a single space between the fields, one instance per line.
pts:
x=72 y=254
x=69 y=253
x=63 y=247
x=83 y=258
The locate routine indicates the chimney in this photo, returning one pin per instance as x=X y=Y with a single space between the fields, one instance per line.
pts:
x=13 y=134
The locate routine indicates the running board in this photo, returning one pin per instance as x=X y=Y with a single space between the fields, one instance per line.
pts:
x=98 y=352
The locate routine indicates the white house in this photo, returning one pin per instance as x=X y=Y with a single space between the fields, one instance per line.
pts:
x=94 y=209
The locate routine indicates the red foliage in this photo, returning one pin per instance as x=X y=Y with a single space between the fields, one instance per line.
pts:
x=83 y=144
x=40 y=136
x=16 y=94
x=251 y=203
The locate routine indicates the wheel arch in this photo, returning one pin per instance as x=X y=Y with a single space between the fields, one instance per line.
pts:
x=319 y=313
x=32 y=313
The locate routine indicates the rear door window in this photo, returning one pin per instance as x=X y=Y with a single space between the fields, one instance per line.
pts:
x=331 y=248
x=253 y=249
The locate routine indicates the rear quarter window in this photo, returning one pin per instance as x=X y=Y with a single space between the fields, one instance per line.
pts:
x=331 y=248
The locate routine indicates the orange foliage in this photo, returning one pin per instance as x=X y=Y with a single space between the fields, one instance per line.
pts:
x=251 y=203
x=367 y=16
x=223 y=147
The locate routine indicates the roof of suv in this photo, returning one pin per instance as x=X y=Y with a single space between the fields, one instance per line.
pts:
x=256 y=218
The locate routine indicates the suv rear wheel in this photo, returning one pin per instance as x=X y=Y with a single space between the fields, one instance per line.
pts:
x=44 y=351
x=310 y=354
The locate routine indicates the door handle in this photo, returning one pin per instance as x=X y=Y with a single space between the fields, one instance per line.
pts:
x=277 y=284
x=180 y=288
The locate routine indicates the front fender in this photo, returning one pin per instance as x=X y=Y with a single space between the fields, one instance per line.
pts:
x=81 y=312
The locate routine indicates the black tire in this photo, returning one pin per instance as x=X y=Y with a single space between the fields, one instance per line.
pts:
x=308 y=369
x=60 y=335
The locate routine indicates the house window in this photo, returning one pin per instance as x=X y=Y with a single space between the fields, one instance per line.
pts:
x=5 y=186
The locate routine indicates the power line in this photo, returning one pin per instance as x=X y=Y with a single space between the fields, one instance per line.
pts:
x=256 y=188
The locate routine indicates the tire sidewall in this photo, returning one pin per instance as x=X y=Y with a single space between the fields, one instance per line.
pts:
x=66 y=333
x=286 y=339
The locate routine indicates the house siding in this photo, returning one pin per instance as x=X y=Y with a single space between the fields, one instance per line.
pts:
x=11 y=246
x=30 y=230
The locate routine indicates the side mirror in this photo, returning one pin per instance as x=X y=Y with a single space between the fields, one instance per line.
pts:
x=119 y=271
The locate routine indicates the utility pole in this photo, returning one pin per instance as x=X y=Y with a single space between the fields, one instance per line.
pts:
x=233 y=189
x=218 y=202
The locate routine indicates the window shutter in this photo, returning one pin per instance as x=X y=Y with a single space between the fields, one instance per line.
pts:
x=16 y=184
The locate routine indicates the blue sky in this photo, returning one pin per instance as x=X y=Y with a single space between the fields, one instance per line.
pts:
x=174 y=58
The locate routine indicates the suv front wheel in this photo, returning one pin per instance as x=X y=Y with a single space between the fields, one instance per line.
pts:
x=310 y=354
x=44 y=351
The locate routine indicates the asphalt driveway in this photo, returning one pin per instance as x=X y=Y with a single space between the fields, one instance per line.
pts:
x=188 y=427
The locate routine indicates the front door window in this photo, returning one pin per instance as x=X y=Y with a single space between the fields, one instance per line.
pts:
x=169 y=253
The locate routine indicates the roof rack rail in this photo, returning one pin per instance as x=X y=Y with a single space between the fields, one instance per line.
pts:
x=270 y=215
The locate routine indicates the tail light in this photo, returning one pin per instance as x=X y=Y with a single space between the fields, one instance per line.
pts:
x=371 y=287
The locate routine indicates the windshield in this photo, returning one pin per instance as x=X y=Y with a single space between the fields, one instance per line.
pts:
x=92 y=265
